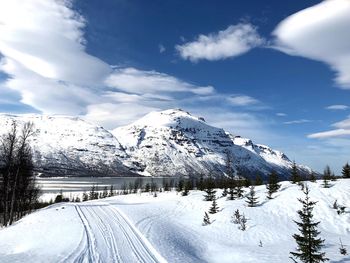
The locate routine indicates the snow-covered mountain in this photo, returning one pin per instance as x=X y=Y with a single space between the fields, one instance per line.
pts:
x=173 y=142
x=166 y=143
x=65 y=145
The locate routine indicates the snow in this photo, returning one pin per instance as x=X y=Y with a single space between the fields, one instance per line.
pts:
x=184 y=144
x=166 y=143
x=169 y=228
x=63 y=140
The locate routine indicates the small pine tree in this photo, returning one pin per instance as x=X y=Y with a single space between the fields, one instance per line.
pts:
x=147 y=188
x=92 y=194
x=187 y=188
x=105 y=192
x=312 y=177
x=224 y=192
x=206 y=219
x=111 y=191
x=243 y=223
x=272 y=185
x=209 y=191
x=247 y=182
x=180 y=185
x=346 y=171
x=258 y=180
x=238 y=190
x=236 y=218
x=252 y=200
x=308 y=245
x=231 y=191
x=201 y=185
x=295 y=177
x=327 y=174
x=214 y=207
x=342 y=249
x=85 y=197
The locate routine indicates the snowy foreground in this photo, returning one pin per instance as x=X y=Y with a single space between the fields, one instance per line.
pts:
x=168 y=228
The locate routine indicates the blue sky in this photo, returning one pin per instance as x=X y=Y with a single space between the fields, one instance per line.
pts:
x=273 y=71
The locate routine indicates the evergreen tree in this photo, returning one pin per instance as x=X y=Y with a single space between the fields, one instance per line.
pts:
x=252 y=200
x=187 y=187
x=346 y=171
x=327 y=174
x=209 y=191
x=93 y=195
x=231 y=191
x=243 y=223
x=236 y=218
x=180 y=185
x=111 y=191
x=147 y=188
x=247 y=182
x=342 y=249
x=201 y=185
x=224 y=192
x=295 y=177
x=85 y=197
x=214 y=207
x=272 y=185
x=238 y=189
x=206 y=219
x=105 y=192
x=312 y=177
x=258 y=180
x=308 y=245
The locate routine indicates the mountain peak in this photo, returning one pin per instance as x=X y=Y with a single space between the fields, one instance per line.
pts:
x=169 y=118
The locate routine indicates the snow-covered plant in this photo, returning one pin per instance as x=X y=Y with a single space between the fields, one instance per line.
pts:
x=206 y=219
x=214 y=207
x=236 y=218
x=243 y=223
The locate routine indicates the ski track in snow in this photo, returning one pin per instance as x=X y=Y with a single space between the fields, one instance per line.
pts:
x=110 y=237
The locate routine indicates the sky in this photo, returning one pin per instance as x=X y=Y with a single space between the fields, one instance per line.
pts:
x=277 y=72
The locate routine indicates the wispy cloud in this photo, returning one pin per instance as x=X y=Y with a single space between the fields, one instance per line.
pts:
x=43 y=47
x=300 y=121
x=242 y=100
x=337 y=107
x=162 y=48
x=231 y=42
x=140 y=81
x=342 y=130
x=281 y=114
x=326 y=24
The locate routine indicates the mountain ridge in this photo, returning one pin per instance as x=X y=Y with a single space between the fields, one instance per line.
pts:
x=166 y=143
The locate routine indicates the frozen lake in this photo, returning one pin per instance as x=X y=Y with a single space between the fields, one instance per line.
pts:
x=79 y=184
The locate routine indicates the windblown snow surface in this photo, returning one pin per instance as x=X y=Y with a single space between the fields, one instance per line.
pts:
x=168 y=228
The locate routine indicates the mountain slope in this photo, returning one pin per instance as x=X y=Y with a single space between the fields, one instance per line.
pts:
x=69 y=145
x=175 y=143
x=166 y=143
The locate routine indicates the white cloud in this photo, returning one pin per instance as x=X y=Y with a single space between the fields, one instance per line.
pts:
x=140 y=81
x=162 y=48
x=322 y=33
x=43 y=48
x=46 y=38
x=113 y=115
x=242 y=100
x=342 y=130
x=337 y=107
x=330 y=134
x=298 y=121
x=281 y=114
x=231 y=42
